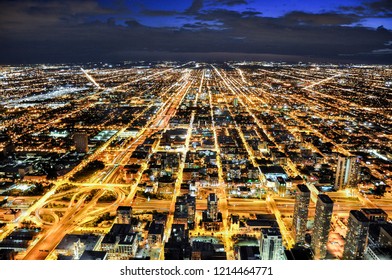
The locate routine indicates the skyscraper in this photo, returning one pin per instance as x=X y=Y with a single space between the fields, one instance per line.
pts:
x=356 y=239
x=300 y=218
x=347 y=172
x=81 y=142
x=212 y=207
x=322 y=220
x=271 y=246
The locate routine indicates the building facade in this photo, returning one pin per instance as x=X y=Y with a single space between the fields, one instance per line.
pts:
x=347 y=172
x=124 y=214
x=322 y=224
x=271 y=245
x=356 y=239
x=300 y=217
x=212 y=206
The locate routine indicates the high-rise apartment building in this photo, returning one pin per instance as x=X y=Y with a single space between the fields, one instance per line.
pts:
x=356 y=239
x=300 y=218
x=347 y=172
x=185 y=210
x=271 y=245
x=212 y=206
x=322 y=223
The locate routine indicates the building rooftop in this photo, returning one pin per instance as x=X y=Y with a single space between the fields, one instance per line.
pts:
x=156 y=229
x=93 y=255
x=178 y=233
x=212 y=197
x=7 y=254
x=64 y=258
x=67 y=243
x=159 y=217
x=249 y=252
x=359 y=216
x=325 y=199
x=121 y=233
x=261 y=223
x=124 y=208
x=373 y=211
x=274 y=231
x=266 y=217
x=275 y=169
x=387 y=228
x=299 y=253
x=303 y=188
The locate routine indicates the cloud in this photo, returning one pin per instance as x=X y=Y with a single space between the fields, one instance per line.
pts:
x=382 y=8
x=197 y=26
x=196 y=6
x=67 y=34
x=133 y=23
x=230 y=2
x=159 y=13
x=321 y=19
x=382 y=51
x=29 y=14
x=385 y=52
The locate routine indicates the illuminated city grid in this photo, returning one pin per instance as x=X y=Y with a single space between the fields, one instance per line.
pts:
x=195 y=161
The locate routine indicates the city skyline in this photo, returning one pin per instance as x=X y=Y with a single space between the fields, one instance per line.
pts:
x=195 y=161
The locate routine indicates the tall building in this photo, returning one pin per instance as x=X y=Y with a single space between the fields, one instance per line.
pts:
x=124 y=214
x=155 y=233
x=81 y=142
x=271 y=245
x=356 y=239
x=212 y=218
x=322 y=223
x=347 y=172
x=385 y=238
x=185 y=210
x=379 y=239
x=212 y=207
x=300 y=218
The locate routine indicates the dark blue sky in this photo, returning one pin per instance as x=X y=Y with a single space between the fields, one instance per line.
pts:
x=35 y=31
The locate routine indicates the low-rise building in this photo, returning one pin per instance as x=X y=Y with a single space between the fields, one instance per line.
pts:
x=120 y=243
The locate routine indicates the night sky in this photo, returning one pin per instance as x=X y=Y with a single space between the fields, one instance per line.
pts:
x=40 y=31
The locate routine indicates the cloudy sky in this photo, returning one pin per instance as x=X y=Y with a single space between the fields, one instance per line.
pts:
x=35 y=31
